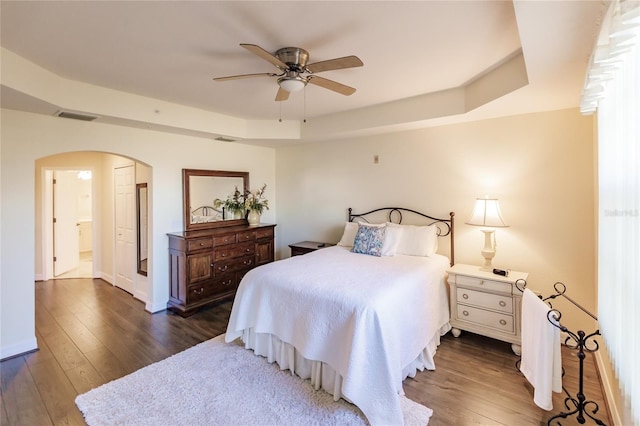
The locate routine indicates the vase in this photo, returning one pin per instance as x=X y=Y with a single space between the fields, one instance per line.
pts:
x=253 y=218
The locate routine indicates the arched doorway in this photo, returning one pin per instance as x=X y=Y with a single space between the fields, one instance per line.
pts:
x=113 y=209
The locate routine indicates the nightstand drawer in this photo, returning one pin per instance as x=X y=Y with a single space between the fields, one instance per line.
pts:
x=485 y=300
x=483 y=285
x=494 y=320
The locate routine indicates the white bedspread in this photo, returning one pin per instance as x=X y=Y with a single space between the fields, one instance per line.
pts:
x=366 y=317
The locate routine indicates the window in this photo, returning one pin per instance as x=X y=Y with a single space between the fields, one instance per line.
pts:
x=613 y=89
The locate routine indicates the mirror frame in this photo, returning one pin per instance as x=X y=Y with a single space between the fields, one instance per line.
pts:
x=139 y=187
x=186 y=174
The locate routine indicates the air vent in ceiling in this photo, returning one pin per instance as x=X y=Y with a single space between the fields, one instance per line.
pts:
x=225 y=139
x=76 y=116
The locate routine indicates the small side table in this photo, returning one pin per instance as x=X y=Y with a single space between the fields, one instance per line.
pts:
x=304 y=247
x=486 y=304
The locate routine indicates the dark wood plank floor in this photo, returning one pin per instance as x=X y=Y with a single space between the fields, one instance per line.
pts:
x=90 y=333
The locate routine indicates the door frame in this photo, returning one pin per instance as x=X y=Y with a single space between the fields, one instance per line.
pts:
x=47 y=220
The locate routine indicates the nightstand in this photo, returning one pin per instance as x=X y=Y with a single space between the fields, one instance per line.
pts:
x=306 y=247
x=485 y=303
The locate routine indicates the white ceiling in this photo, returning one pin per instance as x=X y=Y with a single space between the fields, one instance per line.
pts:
x=171 y=50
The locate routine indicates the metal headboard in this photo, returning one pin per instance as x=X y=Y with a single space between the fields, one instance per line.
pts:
x=394 y=214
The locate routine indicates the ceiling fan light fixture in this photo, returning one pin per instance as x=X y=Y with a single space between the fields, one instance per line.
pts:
x=292 y=84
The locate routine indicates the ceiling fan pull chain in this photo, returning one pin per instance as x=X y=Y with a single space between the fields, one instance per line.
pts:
x=304 y=105
x=280 y=113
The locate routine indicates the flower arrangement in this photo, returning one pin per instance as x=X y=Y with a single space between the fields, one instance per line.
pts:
x=234 y=202
x=256 y=200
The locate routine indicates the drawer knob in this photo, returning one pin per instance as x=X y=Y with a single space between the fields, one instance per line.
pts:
x=503 y=322
x=201 y=244
x=199 y=290
x=502 y=303
x=227 y=283
x=223 y=268
x=465 y=313
x=223 y=254
x=465 y=296
x=481 y=282
x=248 y=262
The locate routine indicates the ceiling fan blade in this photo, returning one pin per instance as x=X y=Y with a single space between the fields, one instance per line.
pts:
x=335 y=64
x=331 y=85
x=257 y=50
x=282 y=95
x=236 y=77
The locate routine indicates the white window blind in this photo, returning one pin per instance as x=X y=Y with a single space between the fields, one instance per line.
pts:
x=612 y=88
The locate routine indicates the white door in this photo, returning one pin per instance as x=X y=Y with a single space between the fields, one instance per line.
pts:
x=66 y=237
x=125 y=238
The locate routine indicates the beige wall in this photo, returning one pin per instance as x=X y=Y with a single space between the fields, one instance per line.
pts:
x=540 y=166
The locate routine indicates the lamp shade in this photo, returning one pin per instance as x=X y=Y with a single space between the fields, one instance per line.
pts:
x=292 y=84
x=486 y=212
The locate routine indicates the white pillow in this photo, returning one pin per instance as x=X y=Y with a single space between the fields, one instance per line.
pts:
x=416 y=240
x=392 y=237
x=349 y=234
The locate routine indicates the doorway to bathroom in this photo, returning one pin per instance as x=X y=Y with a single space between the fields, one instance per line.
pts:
x=69 y=223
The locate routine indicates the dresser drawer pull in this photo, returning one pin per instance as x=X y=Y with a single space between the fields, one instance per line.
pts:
x=465 y=313
x=223 y=268
x=246 y=237
x=465 y=296
x=199 y=290
x=503 y=304
x=227 y=283
x=481 y=282
x=223 y=254
x=248 y=262
x=247 y=250
x=503 y=322
x=201 y=244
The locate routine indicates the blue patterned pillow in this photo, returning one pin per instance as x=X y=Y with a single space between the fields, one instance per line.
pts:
x=369 y=239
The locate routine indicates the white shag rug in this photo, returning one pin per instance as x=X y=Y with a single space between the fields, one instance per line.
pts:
x=215 y=383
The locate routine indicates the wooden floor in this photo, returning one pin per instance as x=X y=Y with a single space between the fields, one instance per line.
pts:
x=90 y=333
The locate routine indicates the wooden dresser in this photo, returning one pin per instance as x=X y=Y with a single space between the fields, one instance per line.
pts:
x=207 y=265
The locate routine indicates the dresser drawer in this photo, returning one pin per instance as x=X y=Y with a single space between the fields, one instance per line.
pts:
x=222 y=284
x=199 y=243
x=233 y=265
x=483 y=285
x=232 y=252
x=485 y=300
x=264 y=233
x=223 y=240
x=495 y=320
x=246 y=236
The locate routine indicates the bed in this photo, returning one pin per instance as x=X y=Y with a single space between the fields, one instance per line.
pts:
x=356 y=318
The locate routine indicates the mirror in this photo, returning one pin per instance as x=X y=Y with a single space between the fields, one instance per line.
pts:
x=201 y=188
x=143 y=226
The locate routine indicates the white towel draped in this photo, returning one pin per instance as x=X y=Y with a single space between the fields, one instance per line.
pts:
x=541 y=360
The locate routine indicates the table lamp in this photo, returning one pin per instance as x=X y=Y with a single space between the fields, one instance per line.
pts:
x=486 y=213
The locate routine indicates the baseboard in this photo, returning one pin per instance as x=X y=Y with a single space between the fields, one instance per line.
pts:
x=11 y=351
x=608 y=390
x=106 y=277
x=149 y=307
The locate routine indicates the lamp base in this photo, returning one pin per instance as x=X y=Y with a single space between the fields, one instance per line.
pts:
x=488 y=251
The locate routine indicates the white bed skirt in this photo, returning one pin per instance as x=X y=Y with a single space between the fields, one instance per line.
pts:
x=322 y=375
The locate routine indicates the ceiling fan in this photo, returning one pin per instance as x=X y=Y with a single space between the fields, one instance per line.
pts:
x=292 y=63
